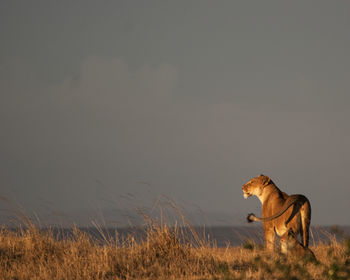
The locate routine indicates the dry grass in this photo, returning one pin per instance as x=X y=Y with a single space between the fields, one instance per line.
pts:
x=164 y=254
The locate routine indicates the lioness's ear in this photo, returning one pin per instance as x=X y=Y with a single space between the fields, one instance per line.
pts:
x=265 y=180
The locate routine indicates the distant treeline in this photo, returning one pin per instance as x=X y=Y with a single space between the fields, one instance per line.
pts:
x=219 y=236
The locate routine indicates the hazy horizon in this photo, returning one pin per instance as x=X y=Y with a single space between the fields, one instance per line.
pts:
x=105 y=107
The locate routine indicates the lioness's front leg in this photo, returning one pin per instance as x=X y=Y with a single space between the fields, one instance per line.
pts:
x=270 y=237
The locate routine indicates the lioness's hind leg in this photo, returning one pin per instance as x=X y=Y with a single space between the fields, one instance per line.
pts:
x=305 y=212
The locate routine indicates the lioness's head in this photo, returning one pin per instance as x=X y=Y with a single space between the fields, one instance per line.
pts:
x=255 y=186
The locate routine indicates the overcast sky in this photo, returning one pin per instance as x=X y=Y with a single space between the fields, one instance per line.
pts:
x=109 y=104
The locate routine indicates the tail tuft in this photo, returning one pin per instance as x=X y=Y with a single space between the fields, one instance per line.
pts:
x=250 y=218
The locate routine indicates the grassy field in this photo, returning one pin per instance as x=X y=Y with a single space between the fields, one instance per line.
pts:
x=165 y=254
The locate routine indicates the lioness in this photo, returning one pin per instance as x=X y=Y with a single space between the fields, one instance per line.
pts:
x=278 y=214
x=291 y=246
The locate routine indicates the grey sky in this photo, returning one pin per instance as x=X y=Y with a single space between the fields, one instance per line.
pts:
x=193 y=97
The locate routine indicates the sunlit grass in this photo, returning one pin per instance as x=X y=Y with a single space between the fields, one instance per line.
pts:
x=165 y=253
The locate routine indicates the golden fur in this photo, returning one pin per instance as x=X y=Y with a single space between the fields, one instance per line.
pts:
x=292 y=247
x=280 y=212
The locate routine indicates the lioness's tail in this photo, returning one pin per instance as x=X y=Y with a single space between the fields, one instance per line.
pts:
x=295 y=199
x=252 y=218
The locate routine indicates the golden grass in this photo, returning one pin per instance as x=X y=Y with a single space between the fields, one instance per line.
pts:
x=165 y=253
